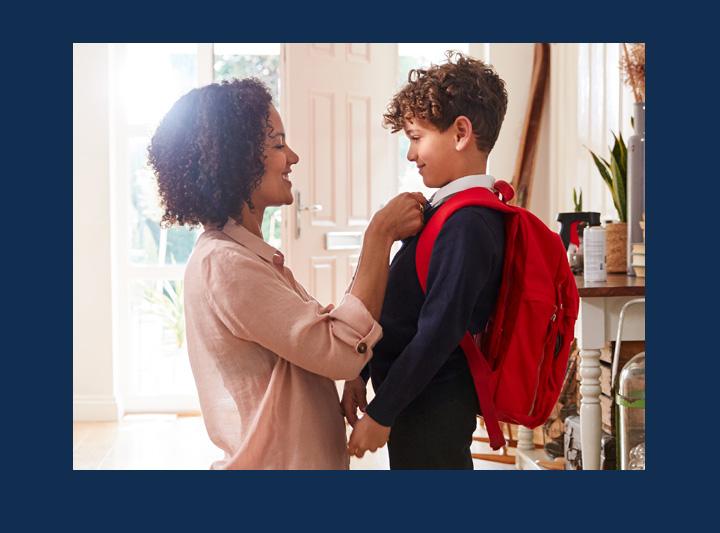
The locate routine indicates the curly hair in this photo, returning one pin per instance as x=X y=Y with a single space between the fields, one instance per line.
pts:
x=441 y=93
x=208 y=151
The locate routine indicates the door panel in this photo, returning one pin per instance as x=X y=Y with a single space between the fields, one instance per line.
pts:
x=333 y=99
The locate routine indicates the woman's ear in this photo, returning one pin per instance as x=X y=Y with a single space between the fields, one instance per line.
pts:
x=463 y=132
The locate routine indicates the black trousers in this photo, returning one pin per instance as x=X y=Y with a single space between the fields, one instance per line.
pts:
x=435 y=430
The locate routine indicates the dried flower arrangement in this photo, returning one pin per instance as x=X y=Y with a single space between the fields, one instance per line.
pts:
x=632 y=65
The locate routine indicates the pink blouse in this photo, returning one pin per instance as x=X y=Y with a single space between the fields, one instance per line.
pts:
x=264 y=355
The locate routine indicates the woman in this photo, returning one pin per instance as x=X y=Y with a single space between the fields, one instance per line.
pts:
x=263 y=352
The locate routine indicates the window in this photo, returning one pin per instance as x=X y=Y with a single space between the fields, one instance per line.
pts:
x=149 y=260
x=588 y=101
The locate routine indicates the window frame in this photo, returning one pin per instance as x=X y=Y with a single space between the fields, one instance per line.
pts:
x=125 y=272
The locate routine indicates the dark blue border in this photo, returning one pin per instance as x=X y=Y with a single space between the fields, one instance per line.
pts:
x=38 y=123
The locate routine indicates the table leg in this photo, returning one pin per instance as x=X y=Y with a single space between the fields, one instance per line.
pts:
x=525 y=442
x=590 y=416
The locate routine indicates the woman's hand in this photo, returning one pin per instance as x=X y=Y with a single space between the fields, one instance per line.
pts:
x=354 y=397
x=399 y=219
x=402 y=217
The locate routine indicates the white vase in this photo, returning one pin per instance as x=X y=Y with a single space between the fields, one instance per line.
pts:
x=636 y=182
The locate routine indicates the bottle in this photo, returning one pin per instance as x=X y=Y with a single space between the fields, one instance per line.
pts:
x=594 y=254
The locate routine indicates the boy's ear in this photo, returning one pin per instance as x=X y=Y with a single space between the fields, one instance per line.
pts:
x=463 y=132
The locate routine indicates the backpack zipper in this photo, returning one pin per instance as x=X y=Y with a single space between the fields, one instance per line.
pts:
x=542 y=359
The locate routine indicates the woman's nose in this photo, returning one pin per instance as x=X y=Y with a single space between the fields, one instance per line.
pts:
x=294 y=158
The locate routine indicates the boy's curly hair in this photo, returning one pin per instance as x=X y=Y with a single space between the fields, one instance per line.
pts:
x=208 y=151
x=441 y=93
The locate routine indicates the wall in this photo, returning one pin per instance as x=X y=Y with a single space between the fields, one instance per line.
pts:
x=93 y=384
x=514 y=63
x=585 y=101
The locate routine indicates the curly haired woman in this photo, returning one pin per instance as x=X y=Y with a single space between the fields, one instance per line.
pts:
x=264 y=353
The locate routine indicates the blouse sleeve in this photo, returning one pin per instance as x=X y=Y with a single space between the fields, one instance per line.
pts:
x=257 y=306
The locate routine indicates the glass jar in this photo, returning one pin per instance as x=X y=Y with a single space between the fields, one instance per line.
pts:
x=630 y=400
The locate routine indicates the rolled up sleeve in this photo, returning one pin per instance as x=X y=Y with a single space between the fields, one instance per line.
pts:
x=354 y=324
x=256 y=305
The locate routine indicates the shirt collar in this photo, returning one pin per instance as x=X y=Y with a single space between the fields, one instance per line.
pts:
x=252 y=242
x=461 y=184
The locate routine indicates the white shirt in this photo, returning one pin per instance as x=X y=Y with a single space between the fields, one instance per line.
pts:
x=461 y=184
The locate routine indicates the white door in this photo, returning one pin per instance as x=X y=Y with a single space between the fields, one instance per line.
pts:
x=334 y=96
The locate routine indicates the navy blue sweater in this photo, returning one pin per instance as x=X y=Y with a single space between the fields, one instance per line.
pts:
x=422 y=333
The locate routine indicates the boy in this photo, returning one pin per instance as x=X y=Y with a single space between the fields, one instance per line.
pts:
x=452 y=114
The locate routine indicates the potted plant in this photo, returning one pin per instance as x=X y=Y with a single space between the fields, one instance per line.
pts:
x=166 y=302
x=614 y=174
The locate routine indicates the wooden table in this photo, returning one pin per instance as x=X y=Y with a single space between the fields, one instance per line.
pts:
x=600 y=304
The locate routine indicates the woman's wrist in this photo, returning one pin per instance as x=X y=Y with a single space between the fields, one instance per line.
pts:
x=379 y=230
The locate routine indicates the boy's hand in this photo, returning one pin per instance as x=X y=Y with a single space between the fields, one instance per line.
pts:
x=367 y=435
x=354 y=397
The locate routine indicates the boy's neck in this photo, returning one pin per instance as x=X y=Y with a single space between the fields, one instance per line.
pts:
x=477 y=167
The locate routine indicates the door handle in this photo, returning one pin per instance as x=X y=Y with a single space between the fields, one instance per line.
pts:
x=299 y=208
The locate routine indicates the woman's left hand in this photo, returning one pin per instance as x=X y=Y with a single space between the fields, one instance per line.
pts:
x=354 y=397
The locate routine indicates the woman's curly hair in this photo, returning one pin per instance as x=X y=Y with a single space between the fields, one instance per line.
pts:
x=208 y=151
x=441 y=93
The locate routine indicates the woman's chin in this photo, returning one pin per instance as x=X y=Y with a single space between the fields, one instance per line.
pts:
x=282 y=199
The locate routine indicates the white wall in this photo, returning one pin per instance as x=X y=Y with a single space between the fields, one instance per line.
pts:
x=514 y=63
x=585 y=101
x=93 y=384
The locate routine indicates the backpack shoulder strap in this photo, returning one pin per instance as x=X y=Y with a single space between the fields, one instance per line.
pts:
x=481 y=372
x=476 y=196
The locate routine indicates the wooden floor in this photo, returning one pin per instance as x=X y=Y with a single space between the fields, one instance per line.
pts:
x=172 y=442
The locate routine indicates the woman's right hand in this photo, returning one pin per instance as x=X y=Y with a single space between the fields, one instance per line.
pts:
x=403 y=216
x=399 y=219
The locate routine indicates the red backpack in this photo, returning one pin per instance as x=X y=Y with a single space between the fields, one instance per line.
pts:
x=518 y=362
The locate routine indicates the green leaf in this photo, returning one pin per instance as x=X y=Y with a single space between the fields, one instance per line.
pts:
x=602 y=167
x=622 y=178
x=619 y=153
x=623 y=155
x=618 y=190
x=577 y=200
